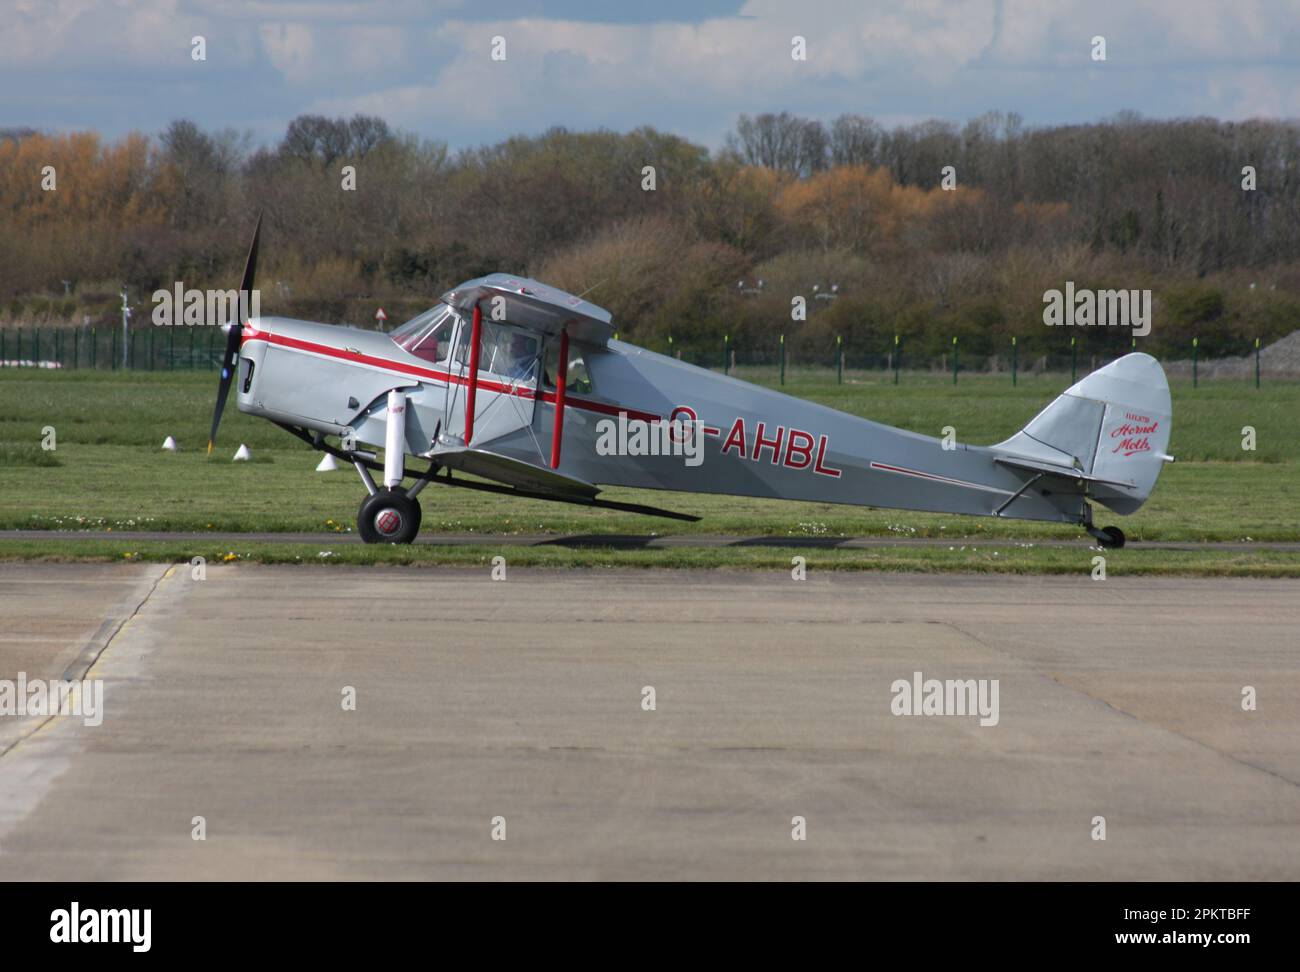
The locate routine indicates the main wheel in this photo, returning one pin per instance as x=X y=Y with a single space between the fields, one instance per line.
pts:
x=389 y=516
x=1111 y=537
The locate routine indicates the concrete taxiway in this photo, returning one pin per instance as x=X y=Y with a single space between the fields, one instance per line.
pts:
x=521 y=704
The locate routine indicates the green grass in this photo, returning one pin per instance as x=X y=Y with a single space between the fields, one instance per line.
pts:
x=25 y=454
x=111 y=474
x=1000 y=557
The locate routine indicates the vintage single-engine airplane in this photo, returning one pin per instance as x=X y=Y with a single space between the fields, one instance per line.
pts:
x=524 y=386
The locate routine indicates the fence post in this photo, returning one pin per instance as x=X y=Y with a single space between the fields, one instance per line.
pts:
x=839 y=360
x=76 y=347
x=897 y=351
x=783 y=359
x=112 y=361
x=1015 y=360
x=1196 y=343
x=18 y=355
x=212 y=349
x=1074 y=359
x=36 y=346
x=954 y=360
x=2 y=349
x=152 y=331
x=58 y=346
x=726 y=365
x=1256 y=362
x=94 y=347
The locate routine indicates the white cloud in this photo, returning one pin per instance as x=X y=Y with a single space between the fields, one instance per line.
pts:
x=43 y=33
x=291 y=48
x=407 y=61
x=616 y=69
x=595 y=73
x=1158 y=32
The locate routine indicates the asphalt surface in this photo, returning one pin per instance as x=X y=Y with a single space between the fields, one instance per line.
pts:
x=524 y=699
x=632 y=541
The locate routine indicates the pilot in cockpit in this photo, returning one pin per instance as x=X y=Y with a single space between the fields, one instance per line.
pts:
x=520 y=356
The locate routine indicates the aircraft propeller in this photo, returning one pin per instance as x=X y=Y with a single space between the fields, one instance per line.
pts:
x=234 y=331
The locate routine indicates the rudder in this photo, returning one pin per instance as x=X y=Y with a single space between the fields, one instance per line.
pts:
x=1112 y=427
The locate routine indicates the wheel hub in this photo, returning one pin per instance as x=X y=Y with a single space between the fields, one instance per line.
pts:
x=388 y=521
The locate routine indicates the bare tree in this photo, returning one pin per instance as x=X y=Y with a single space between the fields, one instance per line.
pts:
x=783 y=142
x=855 y=140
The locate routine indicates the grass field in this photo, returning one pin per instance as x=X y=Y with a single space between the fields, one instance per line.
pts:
x=108 y=473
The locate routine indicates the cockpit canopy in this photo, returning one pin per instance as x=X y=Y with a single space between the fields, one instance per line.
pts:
x=507 y=350
x=427 y=335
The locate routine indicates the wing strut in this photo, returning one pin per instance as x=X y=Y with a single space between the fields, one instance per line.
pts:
x=561 y=380
x=475 y=334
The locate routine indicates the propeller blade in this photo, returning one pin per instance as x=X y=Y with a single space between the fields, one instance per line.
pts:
x=230 y=359
x=250 y=265
x=228 y=367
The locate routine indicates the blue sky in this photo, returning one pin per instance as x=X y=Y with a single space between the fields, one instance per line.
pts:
x=686 y=66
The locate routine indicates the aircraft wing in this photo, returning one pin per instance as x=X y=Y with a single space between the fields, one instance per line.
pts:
x=535 y=306
x=1061 y=472
x=512 y=472
x=516 y=478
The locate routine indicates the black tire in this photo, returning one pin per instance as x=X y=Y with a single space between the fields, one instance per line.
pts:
x=419 y=510
x=390 y=516
x=1112 y=537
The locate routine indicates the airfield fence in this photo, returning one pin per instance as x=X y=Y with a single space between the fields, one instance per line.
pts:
x=199 y=349
x=106 y=349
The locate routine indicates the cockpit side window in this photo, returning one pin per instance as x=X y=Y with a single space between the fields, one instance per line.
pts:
x=578 y=378
x=511 y=352
x=435 y=345
x=427 y=335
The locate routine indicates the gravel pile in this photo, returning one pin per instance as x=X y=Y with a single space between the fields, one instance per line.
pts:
x=1278 y=360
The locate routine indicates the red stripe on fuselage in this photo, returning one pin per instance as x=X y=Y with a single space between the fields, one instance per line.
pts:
x=902 y=470
x=418 y=371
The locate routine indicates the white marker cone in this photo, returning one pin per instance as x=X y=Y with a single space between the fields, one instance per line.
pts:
x=243 y=455
x=169 y=444
x=327 y=464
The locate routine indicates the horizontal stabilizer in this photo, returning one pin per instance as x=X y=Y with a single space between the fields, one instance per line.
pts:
x=1061 y=472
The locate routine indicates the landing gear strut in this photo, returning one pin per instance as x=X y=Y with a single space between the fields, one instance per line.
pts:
x=391 y=514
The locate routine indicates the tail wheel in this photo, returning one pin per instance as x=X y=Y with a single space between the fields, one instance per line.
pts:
x=1111 y=537
x=389 y=516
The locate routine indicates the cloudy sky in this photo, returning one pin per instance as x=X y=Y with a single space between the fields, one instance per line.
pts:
x=686 y=66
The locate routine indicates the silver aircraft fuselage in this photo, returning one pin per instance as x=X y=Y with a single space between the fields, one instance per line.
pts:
x=755 y=441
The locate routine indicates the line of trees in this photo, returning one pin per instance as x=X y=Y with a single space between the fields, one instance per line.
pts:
x=929 y=230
